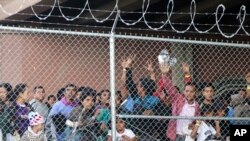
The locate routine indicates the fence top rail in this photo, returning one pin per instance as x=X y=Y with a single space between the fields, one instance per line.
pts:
x=80 y=33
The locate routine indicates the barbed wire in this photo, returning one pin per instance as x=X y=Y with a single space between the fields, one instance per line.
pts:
x=218 y=14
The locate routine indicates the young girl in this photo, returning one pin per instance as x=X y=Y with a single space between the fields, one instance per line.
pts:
x=35 y=130
x=20 y=109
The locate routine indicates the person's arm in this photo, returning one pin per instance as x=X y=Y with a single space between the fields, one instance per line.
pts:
x=217 y=129
x=195 y=129
x=50 y=131
x=130 y=85
x=165 y=83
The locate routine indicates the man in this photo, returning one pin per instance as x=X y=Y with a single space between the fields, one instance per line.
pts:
x=60 y=112
x=182 y=104
x=208 y=95
x=37 y=102
x=243 y=109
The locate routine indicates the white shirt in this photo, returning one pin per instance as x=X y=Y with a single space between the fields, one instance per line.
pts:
x=188 y=133
x=126 y=132
x=205 y=130
x=188 y=110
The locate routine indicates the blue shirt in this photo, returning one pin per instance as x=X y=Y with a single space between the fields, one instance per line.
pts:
x=62 y=107
x=148 y=103
x=129 y=104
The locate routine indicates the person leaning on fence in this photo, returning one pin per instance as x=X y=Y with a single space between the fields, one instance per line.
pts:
x=37 y=102
x=243 y=109
x=208 y=94
x=182 y=104
x=222 y=126
x=104 y=99
x=122 y=133
x=35 y=130
x=20 y=109
x=81 y=117
x=60 y=111
x=5 y=122
x=140 y=100
x=141 y=96
x=203 y=130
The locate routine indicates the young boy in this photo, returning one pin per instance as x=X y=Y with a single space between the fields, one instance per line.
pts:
x=35 y=130
x=122 y=134
x=204 y=130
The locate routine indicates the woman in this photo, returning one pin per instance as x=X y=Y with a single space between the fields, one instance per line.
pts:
x=20 y=109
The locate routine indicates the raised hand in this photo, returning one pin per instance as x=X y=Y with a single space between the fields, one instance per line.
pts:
x=185 y=68
x=126 y=63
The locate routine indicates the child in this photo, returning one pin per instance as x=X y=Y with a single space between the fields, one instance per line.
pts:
x=122 y=134
x=35 y=130
x=203 y=130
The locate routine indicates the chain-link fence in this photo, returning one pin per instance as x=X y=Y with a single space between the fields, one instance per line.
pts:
x=165 y=89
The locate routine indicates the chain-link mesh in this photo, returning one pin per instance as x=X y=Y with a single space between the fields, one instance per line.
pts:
x=65 y=79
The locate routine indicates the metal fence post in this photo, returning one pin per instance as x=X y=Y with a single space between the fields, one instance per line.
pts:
x=112 y=78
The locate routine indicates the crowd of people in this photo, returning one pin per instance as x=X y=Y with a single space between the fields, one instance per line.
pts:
x=84 y=114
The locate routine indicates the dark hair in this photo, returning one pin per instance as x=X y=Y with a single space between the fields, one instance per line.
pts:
x=148 y=85
x=6 y=86
x=190 y=84
x=219 y=104
x=38 y=87
x=20 y=88
x=85 y=92
x=207 y=109
x=70 y=85
x=105 y=90
x=51 y=96
x=60 y=93
x=2 y=105
x=206 y=84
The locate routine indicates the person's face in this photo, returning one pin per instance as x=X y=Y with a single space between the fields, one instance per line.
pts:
x=26 y=94
x=70 y=93
x=189 y=93
x=40 y=94
x=208 y=93
x=140 y=89
x=120 y=125
x=88 y=102
x=3 y=94
x=52 y=101
x=209 y=114
x=118 y=101
x=105 y=96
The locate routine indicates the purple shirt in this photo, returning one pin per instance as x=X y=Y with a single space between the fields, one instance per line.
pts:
x=21 y=123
